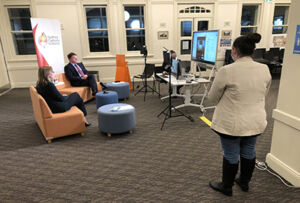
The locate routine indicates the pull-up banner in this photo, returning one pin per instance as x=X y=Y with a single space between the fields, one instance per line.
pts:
x=48 y=43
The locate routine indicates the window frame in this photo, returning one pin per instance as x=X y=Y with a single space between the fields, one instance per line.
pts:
x=135 y=52
x=284 y=25
x=87 y=30
x=10 y=32
x=259 y=13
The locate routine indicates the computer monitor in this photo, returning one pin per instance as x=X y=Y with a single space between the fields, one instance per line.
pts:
x=167 y=59
x=185 y=66
x=178 y=73
x=204 y=46
x=278 y=20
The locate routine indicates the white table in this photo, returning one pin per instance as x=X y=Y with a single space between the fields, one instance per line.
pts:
x=187 y=95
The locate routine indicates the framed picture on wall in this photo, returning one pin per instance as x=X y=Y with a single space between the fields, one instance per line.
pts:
x=163 y=34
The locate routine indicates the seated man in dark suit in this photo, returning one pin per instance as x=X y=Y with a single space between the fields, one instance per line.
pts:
x=78 y=75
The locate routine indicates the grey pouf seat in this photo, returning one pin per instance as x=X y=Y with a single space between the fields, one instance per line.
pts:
x=122 y=88
x=116 y=118
x=106 y=97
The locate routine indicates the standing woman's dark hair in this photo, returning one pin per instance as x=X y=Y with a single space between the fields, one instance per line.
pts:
x=43 y=75
x=245 y=45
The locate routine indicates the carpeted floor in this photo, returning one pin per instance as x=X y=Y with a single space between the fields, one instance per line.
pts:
x=173 y=165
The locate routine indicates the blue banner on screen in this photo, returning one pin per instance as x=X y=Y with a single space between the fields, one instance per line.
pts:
x=205 y=44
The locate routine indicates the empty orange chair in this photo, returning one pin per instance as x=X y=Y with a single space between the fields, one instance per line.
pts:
x=122 y=71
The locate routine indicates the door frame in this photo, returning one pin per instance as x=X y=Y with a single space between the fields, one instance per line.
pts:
x=194 y=28
x=4 y=71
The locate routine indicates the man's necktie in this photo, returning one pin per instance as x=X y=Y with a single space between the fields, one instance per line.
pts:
x=79 y=70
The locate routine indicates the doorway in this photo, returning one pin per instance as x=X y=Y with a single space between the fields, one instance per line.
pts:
x=192 y=18
x=4 y=77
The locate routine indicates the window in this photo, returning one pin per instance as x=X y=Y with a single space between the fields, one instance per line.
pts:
x=97 y=29
x=21 y=30
x=249 y=19
x=280 y=19
x=186 y=28
x=202 y=25
x=195 y=9
x=135 y=27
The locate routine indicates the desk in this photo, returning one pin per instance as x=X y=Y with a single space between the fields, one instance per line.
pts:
x=187 y=96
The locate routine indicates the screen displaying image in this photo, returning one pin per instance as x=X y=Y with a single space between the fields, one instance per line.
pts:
x=205 y=45
x=278 y=20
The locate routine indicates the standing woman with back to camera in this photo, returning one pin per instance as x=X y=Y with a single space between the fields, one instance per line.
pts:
x=239 y=89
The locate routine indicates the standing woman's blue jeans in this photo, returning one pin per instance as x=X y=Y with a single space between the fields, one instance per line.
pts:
x=233 y=147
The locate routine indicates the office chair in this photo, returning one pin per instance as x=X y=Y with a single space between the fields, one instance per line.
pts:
x=159 y=80
x=281 y=55
x=259 y=53
x=148 y=73
x=228 y=57
x=259 y=56
x=275 y=52
x=186 y=65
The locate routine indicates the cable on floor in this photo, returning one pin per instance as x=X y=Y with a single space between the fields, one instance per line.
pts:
x=264 y=167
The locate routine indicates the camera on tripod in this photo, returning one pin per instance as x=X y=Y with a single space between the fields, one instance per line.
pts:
x=144 y=50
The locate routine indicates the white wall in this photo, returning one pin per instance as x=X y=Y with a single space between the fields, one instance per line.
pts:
x=284 y=156
x=160 y=15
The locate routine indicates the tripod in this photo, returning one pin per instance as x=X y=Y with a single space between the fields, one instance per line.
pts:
x=145 y=75
x=168 y=110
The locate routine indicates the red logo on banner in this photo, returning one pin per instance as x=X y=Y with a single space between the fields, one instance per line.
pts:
x=40 y=58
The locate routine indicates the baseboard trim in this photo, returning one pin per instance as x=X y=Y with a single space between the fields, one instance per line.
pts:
x=283 y=170
x=286 y=118
x=22 y=84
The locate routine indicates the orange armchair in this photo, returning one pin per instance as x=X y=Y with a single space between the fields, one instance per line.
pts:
x=58 y=124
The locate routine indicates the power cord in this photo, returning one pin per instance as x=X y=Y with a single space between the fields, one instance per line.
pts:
x=264 y=167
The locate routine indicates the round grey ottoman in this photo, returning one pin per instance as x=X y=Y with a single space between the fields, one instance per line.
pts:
x=116 y=118
x=122 y=88
x=106 y=97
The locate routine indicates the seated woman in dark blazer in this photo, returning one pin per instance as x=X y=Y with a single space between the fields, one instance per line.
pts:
x=57 y=103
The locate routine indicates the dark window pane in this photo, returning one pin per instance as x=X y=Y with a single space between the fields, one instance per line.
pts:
x=246 y=30
x=202 y=25
x=249 y=15
x=135 y=39
x=134 y=17
x=19 y=12
x=186 y=28
x=24 y=43
x=279 y=30
x=96 y=18
x=281 y=15
x=98 y=41
x=135 y=10
x=19 y=18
